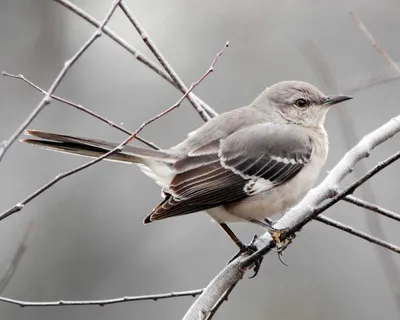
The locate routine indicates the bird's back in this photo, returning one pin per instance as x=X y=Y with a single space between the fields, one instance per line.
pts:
x=220 y=127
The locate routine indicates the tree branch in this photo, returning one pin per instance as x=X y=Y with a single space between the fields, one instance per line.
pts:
x=101 y=303
x=375 y=44
x=138 y=55
x=79 y=107
x=67 y=65
x=300 y=214
x=372 y=207
x=357 y=233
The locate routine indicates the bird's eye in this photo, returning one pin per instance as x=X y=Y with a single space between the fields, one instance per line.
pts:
x=301 y=103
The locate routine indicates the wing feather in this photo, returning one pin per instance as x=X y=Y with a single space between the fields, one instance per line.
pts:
x=248 y=162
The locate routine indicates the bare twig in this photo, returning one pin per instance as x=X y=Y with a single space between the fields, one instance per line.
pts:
x=138 y=55
x=299 y=215
x=101 y=303
x=79 y=107
x=157 y=53
x=18 y=207
x=375 y=44
x=357 y=233
x=67 y=65
x=373 y=207
x=15 y=260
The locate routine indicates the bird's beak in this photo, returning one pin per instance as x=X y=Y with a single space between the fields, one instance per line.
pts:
x=331 y=100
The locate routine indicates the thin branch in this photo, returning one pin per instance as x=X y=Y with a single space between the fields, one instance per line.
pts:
x=375 y=44
x=79 y=107
x=372 y=207
x=157 y=53
x=297 y=216
x=357 y=233
x=18 y=207
x=101 y=303
x=67 y=65
x=15 y=260
x=138 y=55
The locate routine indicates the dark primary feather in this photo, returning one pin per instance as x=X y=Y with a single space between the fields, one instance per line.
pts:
x=218 y=172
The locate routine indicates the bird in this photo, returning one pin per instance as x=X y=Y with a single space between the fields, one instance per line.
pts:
x=244 y=165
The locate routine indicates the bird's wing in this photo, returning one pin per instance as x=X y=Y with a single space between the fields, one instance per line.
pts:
x=250 y=161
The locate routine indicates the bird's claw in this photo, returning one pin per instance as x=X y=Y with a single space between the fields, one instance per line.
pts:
x=280 y=257
x=281 y=245
x=249 y=250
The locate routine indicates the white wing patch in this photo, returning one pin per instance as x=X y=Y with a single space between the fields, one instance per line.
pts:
x=254 y=187
x=286 y=160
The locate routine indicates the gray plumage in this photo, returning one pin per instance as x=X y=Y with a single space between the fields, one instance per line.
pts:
x=245 y=164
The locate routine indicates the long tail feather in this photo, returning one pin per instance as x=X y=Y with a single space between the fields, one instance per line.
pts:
x=94 y=147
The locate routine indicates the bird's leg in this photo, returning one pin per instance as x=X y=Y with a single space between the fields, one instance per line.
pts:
x=233 y=236
x=243 y=249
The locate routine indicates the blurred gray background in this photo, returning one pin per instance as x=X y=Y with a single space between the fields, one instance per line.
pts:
x=88 y=240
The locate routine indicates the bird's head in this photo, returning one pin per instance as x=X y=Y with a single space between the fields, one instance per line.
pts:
x=297 y=102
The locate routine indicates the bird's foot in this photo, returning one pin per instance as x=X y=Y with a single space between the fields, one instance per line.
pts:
x=280 y=246
x=249 y=250
x=276 y=234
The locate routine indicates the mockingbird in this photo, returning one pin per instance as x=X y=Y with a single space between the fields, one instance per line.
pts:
x=243 y=165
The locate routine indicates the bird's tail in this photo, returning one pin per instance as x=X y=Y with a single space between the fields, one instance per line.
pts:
x=94 y=148
x=154 y=163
